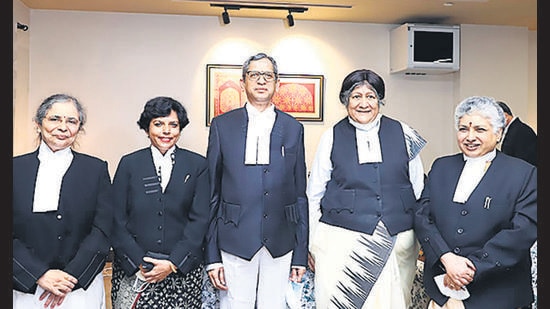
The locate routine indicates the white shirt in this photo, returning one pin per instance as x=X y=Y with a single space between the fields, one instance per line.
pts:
x=258 y=134
x=368 y=143
x=163 y=164
x=51 y=170
x=471 y=175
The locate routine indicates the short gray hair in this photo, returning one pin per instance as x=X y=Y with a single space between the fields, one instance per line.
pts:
x=257 y=57
x=486 y=106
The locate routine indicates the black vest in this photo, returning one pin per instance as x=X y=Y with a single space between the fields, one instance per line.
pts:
x=360 y=195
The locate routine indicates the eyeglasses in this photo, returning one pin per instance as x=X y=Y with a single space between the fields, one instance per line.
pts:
x=255 y=75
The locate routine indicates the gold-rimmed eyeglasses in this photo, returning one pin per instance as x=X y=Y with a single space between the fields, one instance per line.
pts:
x=255 y=75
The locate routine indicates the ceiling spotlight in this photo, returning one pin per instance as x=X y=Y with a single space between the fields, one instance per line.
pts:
x=290 y=19
x=225 y=16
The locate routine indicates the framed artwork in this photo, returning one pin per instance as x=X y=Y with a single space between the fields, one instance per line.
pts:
x=223 y=89
x=300 y=95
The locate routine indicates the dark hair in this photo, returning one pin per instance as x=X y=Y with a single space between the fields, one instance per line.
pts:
x=359 y=77
x=161 y=107
x=46 y=105
x=256 y=57
x=505 y=108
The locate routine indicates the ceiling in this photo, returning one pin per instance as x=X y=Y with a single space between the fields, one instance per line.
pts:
x=522 y=13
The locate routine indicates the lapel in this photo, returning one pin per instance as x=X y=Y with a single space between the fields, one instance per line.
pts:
x=277 y=132
x=67 y=184
x=244 y=124
x=179 y=169
x=149 y=164
x=148 y=174
x=455 y=172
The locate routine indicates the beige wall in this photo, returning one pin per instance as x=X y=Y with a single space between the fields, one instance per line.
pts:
x=531 y=114
x=20 y=79
x=501 y=66
x=115 y=62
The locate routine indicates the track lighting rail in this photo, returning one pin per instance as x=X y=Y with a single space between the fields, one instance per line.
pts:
x=291 y=9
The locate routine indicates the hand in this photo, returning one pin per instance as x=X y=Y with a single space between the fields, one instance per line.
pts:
x=57 y=282
x=296 y=274
x=311 y=262
x=52 y=300
x=217 y=277
x=161 y=269
x=459 y=270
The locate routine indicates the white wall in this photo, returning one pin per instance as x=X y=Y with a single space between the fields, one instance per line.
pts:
x=115 y=62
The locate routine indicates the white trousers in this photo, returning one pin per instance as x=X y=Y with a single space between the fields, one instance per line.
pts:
x=92 y=298
x=260 y=283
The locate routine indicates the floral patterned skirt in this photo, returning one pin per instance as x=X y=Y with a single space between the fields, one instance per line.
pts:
x=176 y=291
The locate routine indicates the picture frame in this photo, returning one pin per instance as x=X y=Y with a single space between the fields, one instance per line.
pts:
x=300 y=95
x=223 y=89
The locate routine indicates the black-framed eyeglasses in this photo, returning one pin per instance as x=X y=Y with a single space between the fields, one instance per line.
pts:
x=255 y=75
